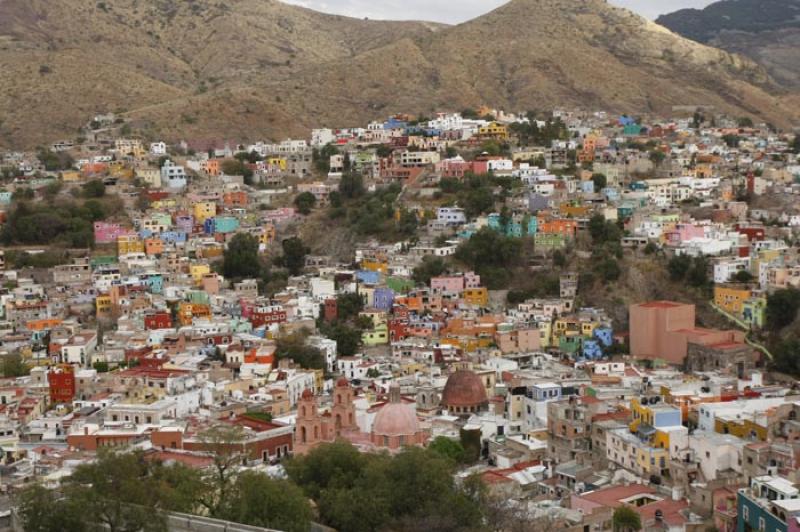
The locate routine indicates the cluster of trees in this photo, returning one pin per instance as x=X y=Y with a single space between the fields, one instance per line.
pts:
x=781 y=312
x=305 y=202
x=532 y=135
x=13 y=366
x=322 y=158
x=475 y=193
x=67 y=222
x=237 y=166
x=53 y=162
x=348 y=326
x=126 y=491
x=372 y=213
x=493 y=256
x=782 y=307
x=429 y=267
x=413 y=490
x=693 y=271
x=294 y=347
x=242 y=260
x=606 y=247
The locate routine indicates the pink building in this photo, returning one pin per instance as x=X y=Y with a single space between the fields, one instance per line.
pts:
x=663 y=330
x=519 y=341
x=455 y=284
x=685 y=232
x=107 y=233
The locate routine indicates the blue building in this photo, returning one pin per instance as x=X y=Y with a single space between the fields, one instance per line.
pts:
x=767 y=505
x=604 y=335
x=155 y=283
x=591 y=350
x=383 y=299
x=545 y=391
x=368 y=277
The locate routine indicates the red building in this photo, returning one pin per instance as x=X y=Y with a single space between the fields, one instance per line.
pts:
x=267 y=315
x=331 y=309
x=158 y=320
x=61 y=380
x=398 y=329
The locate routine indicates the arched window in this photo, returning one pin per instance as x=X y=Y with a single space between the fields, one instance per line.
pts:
x=303 y=434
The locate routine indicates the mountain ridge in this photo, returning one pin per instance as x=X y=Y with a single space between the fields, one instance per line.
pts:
x=766 y=31
x=264 y=69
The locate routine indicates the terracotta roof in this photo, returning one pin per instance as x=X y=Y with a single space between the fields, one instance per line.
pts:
x=464 y=388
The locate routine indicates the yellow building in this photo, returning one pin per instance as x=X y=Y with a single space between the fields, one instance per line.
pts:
x=731 y=297
x=267 y=235
x=188 y=311
x=103 y=305
x=129 y=244
x=70 y=176
x=476 y=296
x=374 y=266
x=204 y=210
x=198 y=271
x=494 y=130
x=545 y=333
x=277 y=162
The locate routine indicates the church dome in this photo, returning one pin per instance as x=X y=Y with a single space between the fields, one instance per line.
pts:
x=464 y=390
x=396 y=419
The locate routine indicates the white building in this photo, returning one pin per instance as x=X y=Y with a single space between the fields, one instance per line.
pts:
x=173 y=175
x=158 y=148
x=451 y=215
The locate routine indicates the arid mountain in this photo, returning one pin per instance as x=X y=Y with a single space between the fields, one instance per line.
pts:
x=260 y=68
x=767 y=31
x=61 y=61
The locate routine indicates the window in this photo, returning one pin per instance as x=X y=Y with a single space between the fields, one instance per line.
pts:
x=762 y=523
x=746 y=512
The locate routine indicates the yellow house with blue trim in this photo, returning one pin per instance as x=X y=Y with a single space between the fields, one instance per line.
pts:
x=204 y=210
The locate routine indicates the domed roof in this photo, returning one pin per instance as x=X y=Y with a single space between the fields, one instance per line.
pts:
x=307 y=394
x=464 y=389
x=342 y=382
x=396 y=419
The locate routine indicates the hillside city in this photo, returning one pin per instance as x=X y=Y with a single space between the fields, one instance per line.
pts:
x=474 y=320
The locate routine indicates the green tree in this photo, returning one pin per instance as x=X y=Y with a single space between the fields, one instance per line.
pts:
x=14 y=366
x=294 y=255
x=626 y=519
x=698 y=274
x=294 y=347
x=347 y=337
x=429 y=267
x=241 y=259
x=657 y=157
x=348 y=306
x=94 y=189
x=449 y=448
x=599 y=181
x=259 y=500
x=782 y=307
x=304 y=202
x=491 y=255
x=351 y=185
x=119 y=491
x=235 y=167
x=743 y=276
x=678 y=266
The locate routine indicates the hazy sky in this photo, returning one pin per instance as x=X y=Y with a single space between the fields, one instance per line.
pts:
x=454 y=11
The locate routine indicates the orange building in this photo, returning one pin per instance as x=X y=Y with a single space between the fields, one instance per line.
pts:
x=558 y=226
x=212 y=167
x=235 y=199
x=153 y=246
